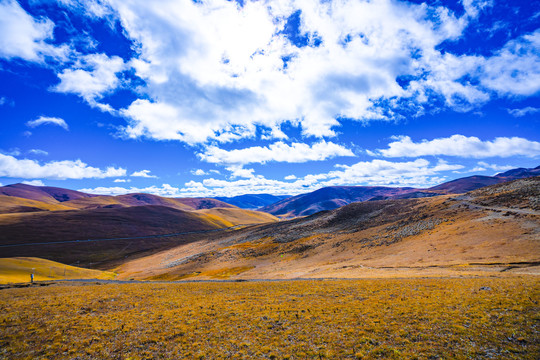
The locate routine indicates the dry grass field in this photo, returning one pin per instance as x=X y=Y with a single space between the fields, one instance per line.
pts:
x=466 y=318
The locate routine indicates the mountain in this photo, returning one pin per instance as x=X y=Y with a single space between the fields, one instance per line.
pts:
x=489 y=230
x=253 y=201
x=46 y=194
x=136 y=199
x=71 y=199
x=99 y=223
x=330 y=198
x=469 y=183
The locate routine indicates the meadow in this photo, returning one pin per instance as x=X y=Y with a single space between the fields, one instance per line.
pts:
x=459 y=318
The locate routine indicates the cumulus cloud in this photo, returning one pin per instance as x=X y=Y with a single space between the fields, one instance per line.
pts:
x=92 y=77
x=199 y=172
x=34 y=183
x=523 y=112
x=144 y=174
x=515 y=69
x=43 y=120
x=418 y=173
x=65 y=169
x=22 y=36
x=216 y=70
x=483 y=166
x=164 y=190
x=462 y=146
x=38 y=152
x=278 y=152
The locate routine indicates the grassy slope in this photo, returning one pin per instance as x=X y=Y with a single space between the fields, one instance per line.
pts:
x=98 y=223
x=110 y=223
x=235 y=216
x=14 y=270
x=432 y=236
x=13 y=204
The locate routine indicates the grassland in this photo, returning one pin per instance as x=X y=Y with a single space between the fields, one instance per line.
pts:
x=16 y=270
x=478 y=318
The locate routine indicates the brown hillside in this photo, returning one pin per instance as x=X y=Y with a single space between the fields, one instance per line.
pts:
x=45 y=194
x=235 y=216
x=13 y=204
x=98 y=223
x=128 y=200
x=492 y=229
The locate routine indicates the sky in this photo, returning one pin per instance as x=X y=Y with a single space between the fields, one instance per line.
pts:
x=191 y=98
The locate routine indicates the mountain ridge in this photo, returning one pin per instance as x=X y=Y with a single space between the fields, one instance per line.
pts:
x=329 y=198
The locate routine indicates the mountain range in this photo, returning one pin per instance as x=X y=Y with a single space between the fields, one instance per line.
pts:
x=252 y=201
x=333 y=197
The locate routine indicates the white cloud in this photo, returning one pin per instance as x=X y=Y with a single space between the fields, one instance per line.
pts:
x=38 y=152
x=474 y=7
x=278 y=151
x=34 y=183
x=462 y=146
x=215 y=70
x=495 y=167
x=164 y=190
x=122 y=180
x=290 y=177
x=92 y=77
x=199 y=172
x=42 y=120
x=419 y=173
x=144 y=174
x=522 y=112
x=515 y=69
x=239 y=171
x=22 y=36
x=12 y=152
x=65 y=169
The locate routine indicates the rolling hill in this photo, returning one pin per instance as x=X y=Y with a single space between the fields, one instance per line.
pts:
x=333 y=197
x=101 y=223
x=46 y=194
x=492 y=229
x=13 y=204
x=330 y=198
x=71 y=199
x=18 y=269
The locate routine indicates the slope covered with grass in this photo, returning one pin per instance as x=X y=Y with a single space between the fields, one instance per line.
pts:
x=18 y=269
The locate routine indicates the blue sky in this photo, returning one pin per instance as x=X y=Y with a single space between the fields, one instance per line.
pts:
x=213 y=98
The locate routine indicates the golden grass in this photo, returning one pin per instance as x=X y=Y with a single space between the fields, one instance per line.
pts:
x=469 y=318
x=237 y=216
x=11 y=203
x=15 y=270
